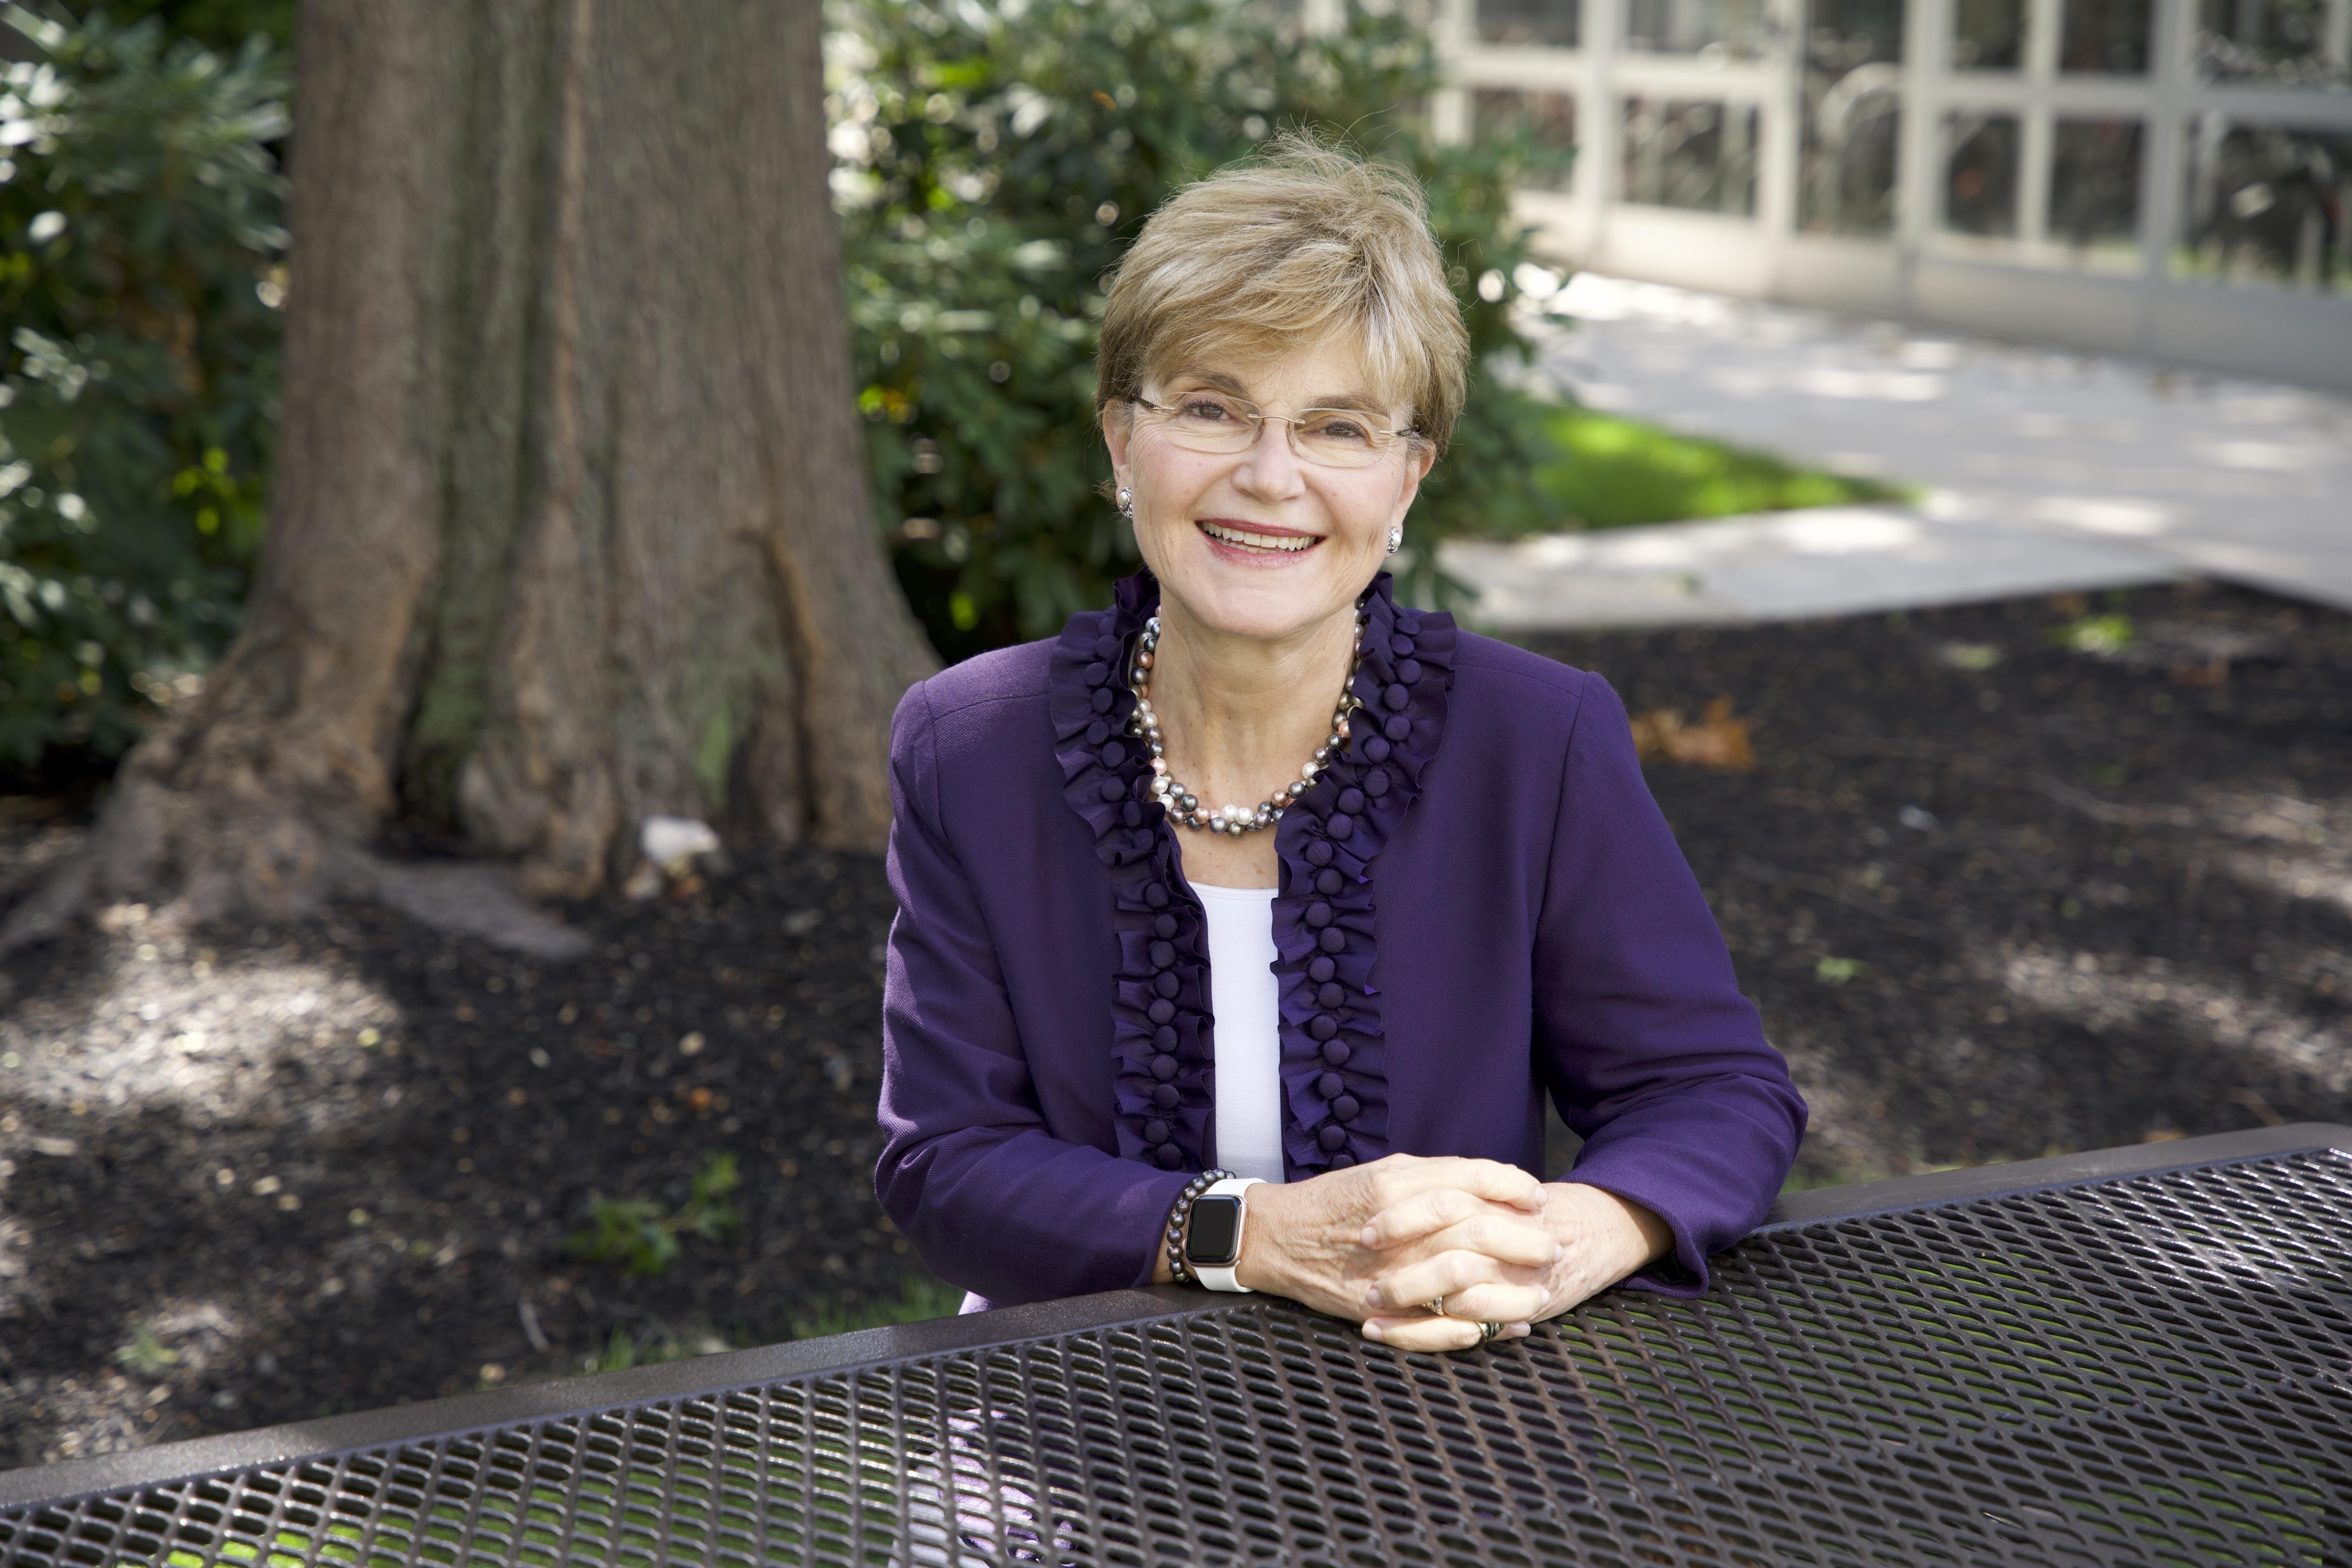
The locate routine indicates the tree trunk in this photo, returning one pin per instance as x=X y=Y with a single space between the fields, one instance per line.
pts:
x=571 y=524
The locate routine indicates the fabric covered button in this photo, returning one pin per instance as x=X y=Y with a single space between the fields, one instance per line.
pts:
x=1156 y=895
x=1097 y=672
x=1376 y=748
x=1331 y=996
x=1322 y=1025
x=1112 y=754
x=1164 y=1037
x=1393 y=697
x=1351 y=801
x=1401 y=646
x=1165 y=984
x=1164 y=954
x=1155 y=1131
x=1328 y=882
x=1318 y=853
x=1106 y=649
x=1332 y=1139
x=1319 y=969
x=1161 y=1012
x=1396 y=727
x=1342 y=1161
x=1329 y=1085
x=1409 y=673
x=1163 y=1068
x=1163 y=926
x=1131 y=813
x=1113 y=789
x=1346 y=1107
x=1376 y=783
x=1335 y=1053
x=1340 y=825
x=1331 y=941
x=1167 y=1157
x=1102 y=699
x=1318 y=914
x=1409 y=624
x=1098 y=733
x=1167 y=1095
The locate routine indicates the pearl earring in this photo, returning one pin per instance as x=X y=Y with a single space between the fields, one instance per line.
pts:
x=1125 y=502
x=1396 y=537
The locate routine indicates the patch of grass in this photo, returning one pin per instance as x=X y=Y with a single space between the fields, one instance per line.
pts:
x=145 y=1355
x=1612 y=472
x=1833 y=971
x=920 y=1300
x=641 y=1234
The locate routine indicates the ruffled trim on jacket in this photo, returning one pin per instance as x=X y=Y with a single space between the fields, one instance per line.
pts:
x=1334 y=1063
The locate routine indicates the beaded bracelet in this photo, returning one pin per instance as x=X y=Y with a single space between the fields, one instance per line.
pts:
x=1176 y=1216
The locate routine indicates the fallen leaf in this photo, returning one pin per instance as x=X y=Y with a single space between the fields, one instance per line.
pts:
x=1717 y=741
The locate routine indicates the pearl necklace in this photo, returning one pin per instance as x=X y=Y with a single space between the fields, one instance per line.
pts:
x=1184 y=806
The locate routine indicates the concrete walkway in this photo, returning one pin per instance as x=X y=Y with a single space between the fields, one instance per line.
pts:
x=2045 y=470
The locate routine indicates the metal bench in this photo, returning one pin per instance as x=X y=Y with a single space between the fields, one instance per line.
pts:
x=2136 y=1356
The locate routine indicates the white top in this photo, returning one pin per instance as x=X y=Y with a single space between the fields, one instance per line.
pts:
x=1246 y=1004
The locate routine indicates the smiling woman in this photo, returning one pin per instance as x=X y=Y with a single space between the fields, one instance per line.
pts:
x=1299 y=1041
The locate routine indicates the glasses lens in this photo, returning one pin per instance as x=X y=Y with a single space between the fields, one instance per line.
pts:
x=1337 y=438
x=1210 y=422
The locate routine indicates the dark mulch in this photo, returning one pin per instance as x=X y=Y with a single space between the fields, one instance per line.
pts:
x=332 y=1166
x=2123 y=914
x=1996 y=897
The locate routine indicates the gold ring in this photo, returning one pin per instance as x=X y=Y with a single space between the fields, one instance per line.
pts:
x=1435 y=1306
x=1489 y=1331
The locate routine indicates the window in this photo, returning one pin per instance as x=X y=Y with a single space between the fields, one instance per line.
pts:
x=2095 y=191
x=1988 y=34
x=2266 y=204
x=1542 y=123
x=1852 y=112
x=1713 y=29
x=2281 y=43
x=1980 y=174
x=1548 y=22
x=1687 y=154
x=2104 y=37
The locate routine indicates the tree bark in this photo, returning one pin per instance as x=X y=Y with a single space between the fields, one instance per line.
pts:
x=570 y=524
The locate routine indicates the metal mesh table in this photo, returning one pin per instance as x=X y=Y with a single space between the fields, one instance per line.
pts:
x=2142 y=1356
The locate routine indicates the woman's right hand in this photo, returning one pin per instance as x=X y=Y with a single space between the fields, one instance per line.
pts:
x=1306 y=1240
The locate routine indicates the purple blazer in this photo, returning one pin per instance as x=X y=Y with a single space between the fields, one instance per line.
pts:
x=1480 y=904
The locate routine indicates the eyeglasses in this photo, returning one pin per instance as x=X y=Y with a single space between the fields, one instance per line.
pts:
x=1217 y=422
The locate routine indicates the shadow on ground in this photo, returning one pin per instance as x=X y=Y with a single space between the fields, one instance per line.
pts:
x=2032 y=876
x=2008 y=880
x=262 y=1175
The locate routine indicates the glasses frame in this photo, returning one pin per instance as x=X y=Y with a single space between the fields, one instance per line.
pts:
x=1386 y=440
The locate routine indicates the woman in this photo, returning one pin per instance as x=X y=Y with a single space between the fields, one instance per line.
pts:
x=1259 y=870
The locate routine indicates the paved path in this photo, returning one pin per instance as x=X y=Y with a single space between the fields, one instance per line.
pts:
x=2045 y=470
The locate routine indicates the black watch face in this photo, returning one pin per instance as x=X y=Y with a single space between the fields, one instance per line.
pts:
x=1213 y=1231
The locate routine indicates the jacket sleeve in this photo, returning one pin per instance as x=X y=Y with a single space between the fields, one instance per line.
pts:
x=1655 y=1057
x=991 y=1200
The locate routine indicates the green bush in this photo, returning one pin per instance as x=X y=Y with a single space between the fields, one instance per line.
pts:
x=141 y=272
x=992 y=158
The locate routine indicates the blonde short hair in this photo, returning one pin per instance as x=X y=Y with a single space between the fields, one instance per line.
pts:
x=1302 y=243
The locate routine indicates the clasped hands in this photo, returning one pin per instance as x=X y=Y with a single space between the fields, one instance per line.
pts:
x=1378 y=1243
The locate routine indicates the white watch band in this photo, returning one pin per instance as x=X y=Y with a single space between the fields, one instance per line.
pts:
x=1232 y=1186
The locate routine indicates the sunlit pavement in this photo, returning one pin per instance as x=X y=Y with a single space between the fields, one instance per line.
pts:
x=2041 y=469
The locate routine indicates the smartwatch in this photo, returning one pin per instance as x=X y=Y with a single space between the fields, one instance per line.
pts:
x=1213 y=1233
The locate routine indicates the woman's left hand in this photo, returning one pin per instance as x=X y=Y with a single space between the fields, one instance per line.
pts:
x=1448 y=1244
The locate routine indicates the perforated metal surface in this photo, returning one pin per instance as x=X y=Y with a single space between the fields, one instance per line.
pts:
x=2152 y=1370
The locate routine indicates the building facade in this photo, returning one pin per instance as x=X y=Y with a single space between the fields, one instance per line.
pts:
x=2162 y=178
